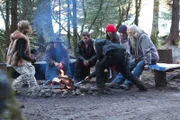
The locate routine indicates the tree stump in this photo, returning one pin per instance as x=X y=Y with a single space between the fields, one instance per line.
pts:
x=160 y=78
x=165 y=56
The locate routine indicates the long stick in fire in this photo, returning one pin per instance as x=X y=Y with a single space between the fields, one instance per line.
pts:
x=80 y=82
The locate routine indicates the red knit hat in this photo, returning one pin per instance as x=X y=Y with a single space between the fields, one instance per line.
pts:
x=110 y=28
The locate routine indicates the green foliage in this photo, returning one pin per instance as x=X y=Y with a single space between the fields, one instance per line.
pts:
x=94 y=16
x=102 y=12
x=166 y=15
x=3 y=46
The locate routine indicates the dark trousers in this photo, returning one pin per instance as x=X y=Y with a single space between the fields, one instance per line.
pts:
x=118 y=59
x=82 y=71
x=101 y=75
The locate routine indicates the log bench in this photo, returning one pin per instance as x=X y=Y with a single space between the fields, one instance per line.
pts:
x=160 y=70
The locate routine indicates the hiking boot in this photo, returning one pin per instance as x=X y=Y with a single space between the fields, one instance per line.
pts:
x=97 y=89
x=139 y=84
x=143 y=88
x=125 y=86
x=112 y=85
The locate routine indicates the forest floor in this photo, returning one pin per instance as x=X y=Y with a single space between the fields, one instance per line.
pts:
x=155 y=104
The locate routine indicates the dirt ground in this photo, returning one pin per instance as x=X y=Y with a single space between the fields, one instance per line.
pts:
x=155 y=104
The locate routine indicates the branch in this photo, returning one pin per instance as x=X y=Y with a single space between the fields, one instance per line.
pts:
x=84 y=11
x=100 y=7
x=60 y=25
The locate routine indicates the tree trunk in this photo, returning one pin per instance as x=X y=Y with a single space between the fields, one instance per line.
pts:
x=155 y=28
x=137 y=11
x=60 y=18
x=68 y=24
x=7 y=32
x=174 y=30
x=14 y=20
x=84 y=13
x=74 y=21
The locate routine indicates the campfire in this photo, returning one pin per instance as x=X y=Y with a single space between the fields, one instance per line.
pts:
x=62 y=81
x=63 y=85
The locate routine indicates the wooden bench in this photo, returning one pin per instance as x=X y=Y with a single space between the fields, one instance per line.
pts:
x=160 y=70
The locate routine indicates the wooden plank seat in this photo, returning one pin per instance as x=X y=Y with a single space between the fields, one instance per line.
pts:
x=160 y=70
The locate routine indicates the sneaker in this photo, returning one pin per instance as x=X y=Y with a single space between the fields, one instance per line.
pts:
x=125 y=86
x=112 y=85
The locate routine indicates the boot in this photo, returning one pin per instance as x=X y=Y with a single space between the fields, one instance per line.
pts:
x=139 y=84
x=112 y=85
x=97 y=89
x=125 y=86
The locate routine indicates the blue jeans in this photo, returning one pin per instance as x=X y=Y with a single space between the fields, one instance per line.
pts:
x=136 y=71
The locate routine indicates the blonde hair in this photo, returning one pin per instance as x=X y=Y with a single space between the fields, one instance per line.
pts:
x=24 y=26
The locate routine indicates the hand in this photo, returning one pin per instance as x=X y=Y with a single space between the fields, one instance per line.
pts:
x=33 y=60
x=146 y=67
x=61 y=65
x=86 y=63
x=56 y=64
x=87 y=79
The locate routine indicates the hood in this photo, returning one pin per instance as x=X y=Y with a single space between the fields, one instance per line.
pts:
x=17 y=35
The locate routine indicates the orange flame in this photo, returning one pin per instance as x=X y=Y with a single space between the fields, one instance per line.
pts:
x=61 y=73
x=69 y=87
x=63 y=81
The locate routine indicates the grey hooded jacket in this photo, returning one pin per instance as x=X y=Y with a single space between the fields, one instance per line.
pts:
x=145 y=49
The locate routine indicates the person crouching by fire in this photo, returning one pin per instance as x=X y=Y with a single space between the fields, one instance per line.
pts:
x=57 y=60
x=113 y=55
x=19 y=56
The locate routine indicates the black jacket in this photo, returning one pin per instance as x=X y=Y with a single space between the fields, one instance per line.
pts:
x=105 y=46
x=85 y=54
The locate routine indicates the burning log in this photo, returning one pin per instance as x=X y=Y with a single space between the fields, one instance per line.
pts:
x=63 y=81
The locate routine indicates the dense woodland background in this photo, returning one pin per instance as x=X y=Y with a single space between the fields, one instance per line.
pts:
x=72 y=17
